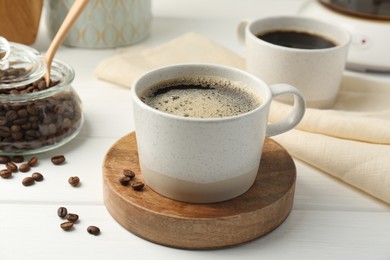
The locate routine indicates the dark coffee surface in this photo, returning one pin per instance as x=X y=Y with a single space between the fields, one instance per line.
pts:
x=201 y=98
x=296 y=39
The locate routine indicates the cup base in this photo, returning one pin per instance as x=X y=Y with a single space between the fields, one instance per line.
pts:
x=192 y=192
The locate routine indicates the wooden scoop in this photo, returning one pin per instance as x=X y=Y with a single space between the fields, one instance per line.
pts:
x=74 y=12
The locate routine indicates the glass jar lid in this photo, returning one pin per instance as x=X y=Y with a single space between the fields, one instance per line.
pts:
x=19 y=64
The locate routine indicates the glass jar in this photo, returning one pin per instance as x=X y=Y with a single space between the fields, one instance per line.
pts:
x=33 y=117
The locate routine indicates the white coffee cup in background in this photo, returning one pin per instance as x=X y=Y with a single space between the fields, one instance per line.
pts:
x=316 y=73
x=205 y=160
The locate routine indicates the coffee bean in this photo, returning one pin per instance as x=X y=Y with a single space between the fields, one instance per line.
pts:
x=5 y=132
x=11 y=115
x=124 y=180
x=11 y=166
x=37 y=176
x=18 y=159
x=3 y=120
x=128 y=173
x=33 y=161
x=58 y=159
x=137 y=185
x=28 y=181
x=72 y=217
x=93 y=230
x=5 y=173
x=66 y=225
x=61 y=212
x=4 y=159
x=74 y=181
x=24 y=167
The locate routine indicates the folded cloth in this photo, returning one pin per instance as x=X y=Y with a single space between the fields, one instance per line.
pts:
x=130 y=63
x=351 y=141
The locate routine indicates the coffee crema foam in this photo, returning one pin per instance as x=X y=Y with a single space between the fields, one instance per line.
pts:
x=201 y=97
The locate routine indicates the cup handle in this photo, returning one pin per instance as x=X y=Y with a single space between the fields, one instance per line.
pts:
x=296 y=114
x=241 y=31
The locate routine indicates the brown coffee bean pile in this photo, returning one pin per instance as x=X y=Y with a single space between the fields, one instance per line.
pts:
x=128 y=178
x=39 y=122
x=62 y=212
x=11 y=73
x=72 y=219
x=36 y=176
x=12 y=167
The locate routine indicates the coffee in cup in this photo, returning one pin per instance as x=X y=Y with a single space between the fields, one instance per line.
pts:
x=201 y=97
x=297 y=39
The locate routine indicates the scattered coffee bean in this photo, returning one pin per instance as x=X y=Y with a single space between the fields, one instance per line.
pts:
x=72 y=217
x=5 y=173
x=62 y=212
x=57 y=160
x=11 y=166
x=37 y=176
x=33 y=161
x=128 y=173
x=74 y=181
x=67 y=225
x=18 y=159
x=24 y=167
x=137 y=185
x=93 y=230
x=28 y=181
x=4 y=159
x=125 y=180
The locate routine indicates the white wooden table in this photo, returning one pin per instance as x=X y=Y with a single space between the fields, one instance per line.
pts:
x=329 y=220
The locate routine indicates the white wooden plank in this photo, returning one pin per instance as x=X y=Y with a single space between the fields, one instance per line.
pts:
x=33 y=232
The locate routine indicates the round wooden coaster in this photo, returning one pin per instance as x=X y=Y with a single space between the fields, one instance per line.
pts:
x=199 y=226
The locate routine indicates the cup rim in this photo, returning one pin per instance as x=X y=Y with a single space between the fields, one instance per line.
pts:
x=347 y=34
x=265 y=100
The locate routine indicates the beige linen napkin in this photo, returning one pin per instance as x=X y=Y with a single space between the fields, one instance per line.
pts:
x=130 y=63
x=351 y=141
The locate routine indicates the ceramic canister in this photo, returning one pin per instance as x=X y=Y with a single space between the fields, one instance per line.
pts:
x=103 y=23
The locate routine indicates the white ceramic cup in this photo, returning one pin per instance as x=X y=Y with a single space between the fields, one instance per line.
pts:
x=315 y=72
x=205 y=160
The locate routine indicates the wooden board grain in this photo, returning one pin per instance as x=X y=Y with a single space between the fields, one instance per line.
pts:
x=200 y=226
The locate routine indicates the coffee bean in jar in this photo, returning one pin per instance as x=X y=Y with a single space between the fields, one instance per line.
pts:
x=36 y=116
